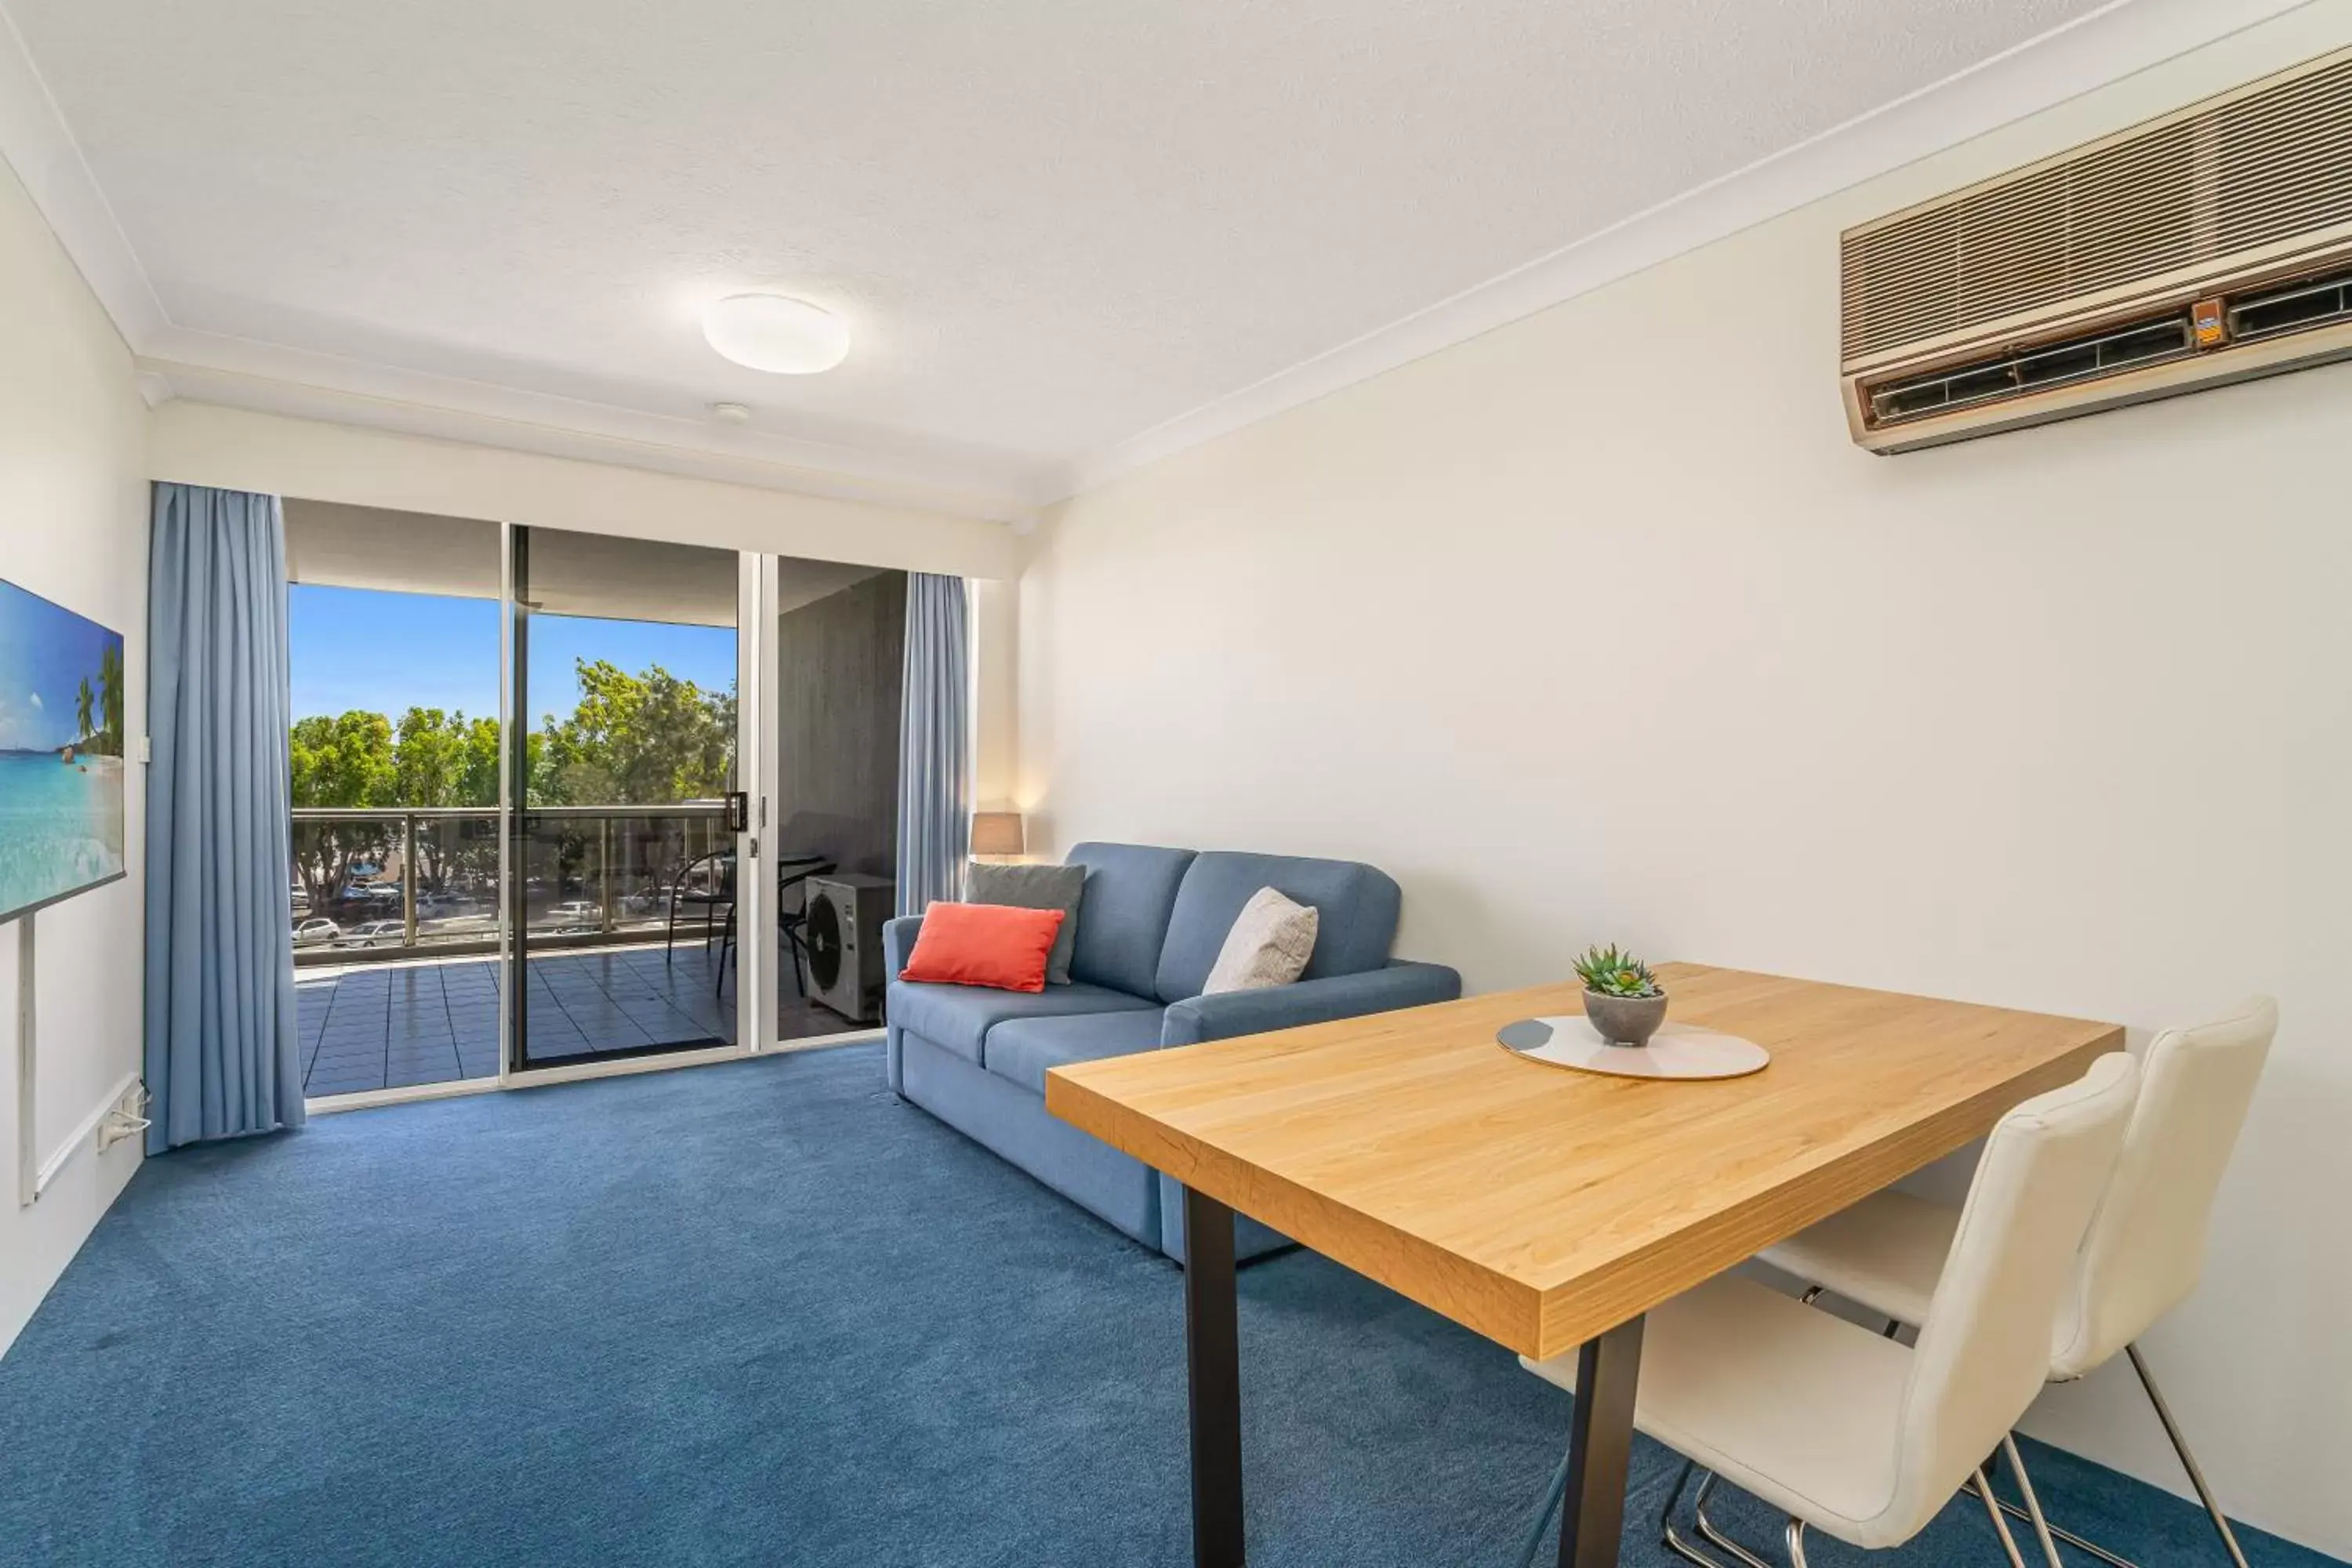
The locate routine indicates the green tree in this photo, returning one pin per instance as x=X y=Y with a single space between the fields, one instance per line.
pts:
x=478 y=784
x=428 y=759
x=345 y=761
x=634 y=740
x=82 y=706
x=637 y=740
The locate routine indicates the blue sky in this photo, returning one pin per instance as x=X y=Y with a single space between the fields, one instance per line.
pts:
x=385 y=653
x=46 y=653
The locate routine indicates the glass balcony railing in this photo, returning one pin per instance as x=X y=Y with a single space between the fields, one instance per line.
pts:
x=384 y=883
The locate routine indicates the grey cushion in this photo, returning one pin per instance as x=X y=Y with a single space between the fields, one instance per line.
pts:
x=958 y=1017
x=1034 y=888
x=1130 y=890
x=1358 y=905
x=1021 y=1049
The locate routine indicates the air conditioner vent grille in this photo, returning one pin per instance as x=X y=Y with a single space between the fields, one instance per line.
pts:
x=2250 y=171
x=2298 y=308
x=1999 y=377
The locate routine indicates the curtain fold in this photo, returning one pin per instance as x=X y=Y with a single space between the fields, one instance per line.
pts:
x=223 y=1054
x=934 y=744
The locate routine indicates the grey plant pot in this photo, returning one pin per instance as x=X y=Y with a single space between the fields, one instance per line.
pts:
x=1625 y=1020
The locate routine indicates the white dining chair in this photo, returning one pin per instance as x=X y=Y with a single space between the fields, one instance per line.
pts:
x=1860 y=1436
x=2142 y=1257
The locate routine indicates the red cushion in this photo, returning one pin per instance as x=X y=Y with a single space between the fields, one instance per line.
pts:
x=984 y=944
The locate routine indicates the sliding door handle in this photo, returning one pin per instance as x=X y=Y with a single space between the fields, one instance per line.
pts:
x=738 y=812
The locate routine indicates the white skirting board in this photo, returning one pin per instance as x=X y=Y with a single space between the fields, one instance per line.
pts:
x=31 y=1178
x=85 y=1135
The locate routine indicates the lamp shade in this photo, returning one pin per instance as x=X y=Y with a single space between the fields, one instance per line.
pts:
x=996 y=833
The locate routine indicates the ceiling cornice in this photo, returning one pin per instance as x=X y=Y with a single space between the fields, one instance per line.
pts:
x=273 y=379
x=175 y=362
x=2105 y=45
x=39 y=146
x=2120 y=38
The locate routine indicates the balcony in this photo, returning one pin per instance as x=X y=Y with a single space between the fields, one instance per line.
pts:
x=395 y=915
x=381 y=884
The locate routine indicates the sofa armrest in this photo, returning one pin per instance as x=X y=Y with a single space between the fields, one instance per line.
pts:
x=1233 y=1013
x=899 y=940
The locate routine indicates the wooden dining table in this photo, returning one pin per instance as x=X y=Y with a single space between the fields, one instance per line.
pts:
x=1543 y=1207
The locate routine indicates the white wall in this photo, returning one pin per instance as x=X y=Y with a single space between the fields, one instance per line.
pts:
x=996 y=695
x=201 y=443
x=1599 y=627
x=73 y=528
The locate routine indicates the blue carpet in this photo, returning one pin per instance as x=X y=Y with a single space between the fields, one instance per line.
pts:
x=756 y=1314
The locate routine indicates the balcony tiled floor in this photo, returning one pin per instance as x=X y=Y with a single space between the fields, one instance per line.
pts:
x=395 y=1026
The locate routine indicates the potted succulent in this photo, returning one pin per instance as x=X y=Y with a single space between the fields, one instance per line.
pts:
x=1622 y=999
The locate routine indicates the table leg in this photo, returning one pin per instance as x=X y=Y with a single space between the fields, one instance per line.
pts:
x=1600 y=1447
x=1212 y=1363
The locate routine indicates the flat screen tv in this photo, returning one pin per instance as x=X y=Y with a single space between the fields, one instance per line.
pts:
x=61 y=702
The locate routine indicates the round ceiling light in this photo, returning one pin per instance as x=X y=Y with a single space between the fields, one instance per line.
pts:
x=776 y=332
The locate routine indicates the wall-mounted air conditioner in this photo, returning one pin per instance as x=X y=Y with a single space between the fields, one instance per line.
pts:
x=2210 y=245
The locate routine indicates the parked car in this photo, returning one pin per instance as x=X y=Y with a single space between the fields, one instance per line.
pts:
x=309 y=933
x=375 y=934
x=574 y=912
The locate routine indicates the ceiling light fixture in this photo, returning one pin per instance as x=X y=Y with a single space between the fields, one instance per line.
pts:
x=777 y=333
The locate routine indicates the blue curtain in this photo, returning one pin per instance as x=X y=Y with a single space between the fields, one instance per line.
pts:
x=934 y=752
x=222 y=1051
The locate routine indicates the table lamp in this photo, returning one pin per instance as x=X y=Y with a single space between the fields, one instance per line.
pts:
x=996 y=833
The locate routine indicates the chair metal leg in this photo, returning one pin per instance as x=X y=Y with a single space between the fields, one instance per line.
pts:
x=1673 y=1538
x=1796 y=1543
x=2188 y=1461
x=1707 y=1529
x=2000 y=1525
x=1553 y=1493
x=2033 y=1503
x=2057 y=1532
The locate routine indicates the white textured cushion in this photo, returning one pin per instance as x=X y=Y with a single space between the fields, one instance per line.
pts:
x=1269 y=945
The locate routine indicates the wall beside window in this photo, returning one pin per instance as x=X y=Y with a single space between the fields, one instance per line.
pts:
x=73 y=528
x=1598 y=627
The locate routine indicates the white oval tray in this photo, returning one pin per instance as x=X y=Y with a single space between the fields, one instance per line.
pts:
x=1677 y=1051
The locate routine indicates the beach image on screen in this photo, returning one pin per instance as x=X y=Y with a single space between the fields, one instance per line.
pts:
x=61 y=704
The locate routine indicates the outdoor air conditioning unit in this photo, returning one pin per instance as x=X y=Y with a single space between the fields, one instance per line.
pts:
x=2210 y=245
x=842 y=931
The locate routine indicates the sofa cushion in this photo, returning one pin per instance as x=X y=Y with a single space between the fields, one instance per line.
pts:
x=958 y=1017
x=1029 y=887
x=1356 y=904
x=1123 y=917
x=1268 y=946
x=1021 y=1049
x=984 y=944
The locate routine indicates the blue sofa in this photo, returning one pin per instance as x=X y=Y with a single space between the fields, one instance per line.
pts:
x=1151 y=923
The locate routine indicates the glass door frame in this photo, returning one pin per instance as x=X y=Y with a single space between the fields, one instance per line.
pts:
x=755 y=902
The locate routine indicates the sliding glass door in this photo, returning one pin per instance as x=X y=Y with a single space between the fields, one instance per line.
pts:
x=566 y=797
x=627 y=924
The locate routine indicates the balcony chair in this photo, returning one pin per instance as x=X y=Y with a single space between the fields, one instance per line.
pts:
x=719 y=889
x=792 y=871
x=1854 y=1433
x=2142 y=1258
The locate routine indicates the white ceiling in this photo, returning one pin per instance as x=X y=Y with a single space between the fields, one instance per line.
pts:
x=1057 y=226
